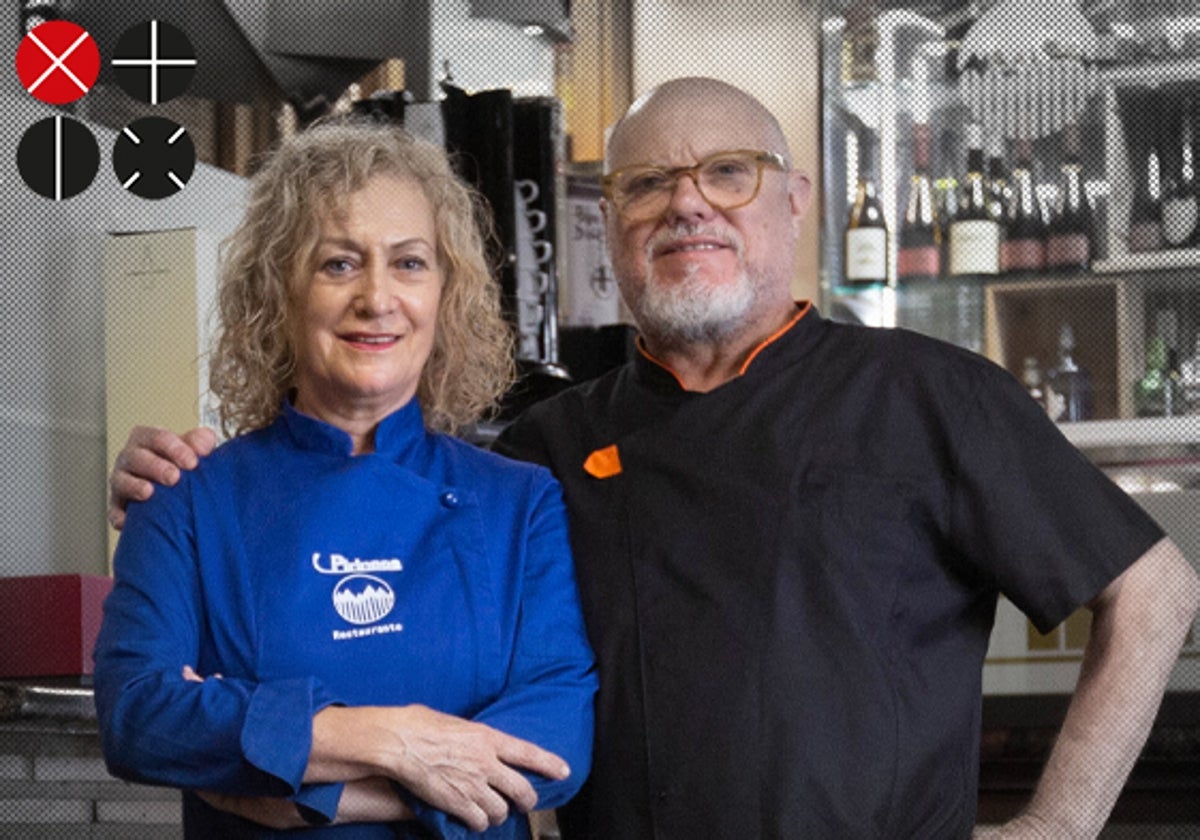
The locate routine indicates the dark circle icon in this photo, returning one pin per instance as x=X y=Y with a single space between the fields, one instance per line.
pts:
x=58 y=62
x=58 y=157
x=153 y=157
x=154 y=62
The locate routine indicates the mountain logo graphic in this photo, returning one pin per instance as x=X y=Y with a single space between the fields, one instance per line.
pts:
x=363 y=599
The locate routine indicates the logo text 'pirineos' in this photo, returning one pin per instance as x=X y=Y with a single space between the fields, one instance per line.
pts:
x=359 y=598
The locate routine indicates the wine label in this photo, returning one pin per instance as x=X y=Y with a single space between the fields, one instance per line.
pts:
x=866 y=255
x=920 y=261
x=974 y=247
x=1023 y=255
x=1145 y=236
x=1070 y=250
x=1178 y=219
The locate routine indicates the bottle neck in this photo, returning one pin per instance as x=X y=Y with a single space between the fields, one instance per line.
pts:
x=1025 y=207
x=921 y=143
x=1187 y=163
x=866 y=165
x=1073 y=196
x=975 y=162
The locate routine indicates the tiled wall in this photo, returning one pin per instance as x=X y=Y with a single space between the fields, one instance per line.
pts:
x=53 y=786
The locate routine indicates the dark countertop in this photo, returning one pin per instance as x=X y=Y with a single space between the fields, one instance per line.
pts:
x=1017 y=735
x=53 y=702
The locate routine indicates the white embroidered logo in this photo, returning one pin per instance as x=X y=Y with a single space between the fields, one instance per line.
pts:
x=359 y=598
x=363 y=599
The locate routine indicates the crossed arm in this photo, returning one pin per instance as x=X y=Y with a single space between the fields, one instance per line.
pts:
x=461 y=767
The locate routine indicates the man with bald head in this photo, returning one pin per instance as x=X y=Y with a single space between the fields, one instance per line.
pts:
x=790 y=534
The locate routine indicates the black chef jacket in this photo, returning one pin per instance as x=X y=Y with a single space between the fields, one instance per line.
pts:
x=790 y=581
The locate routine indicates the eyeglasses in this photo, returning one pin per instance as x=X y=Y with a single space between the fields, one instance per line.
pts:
x=726 y=180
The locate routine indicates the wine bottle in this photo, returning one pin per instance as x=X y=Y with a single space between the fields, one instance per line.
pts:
x=1068 y=387
x=866 y=235
x=1179 y=208
x=1159 y=393
x=946 y=194
x=1189 y=379
x=974 y=233
x=920 y=255
x=999 y=195
x=1031 y=378
x=1069 y=244
x=999 y=192
x=1024 y=247
x=1146 y=214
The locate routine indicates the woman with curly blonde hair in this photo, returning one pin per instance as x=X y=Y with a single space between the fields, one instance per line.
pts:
x=470 y=366
x=391 y=611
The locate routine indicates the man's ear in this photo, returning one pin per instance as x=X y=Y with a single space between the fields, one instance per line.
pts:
x=799 y=196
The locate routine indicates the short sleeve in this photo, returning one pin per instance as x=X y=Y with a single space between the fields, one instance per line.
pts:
x=1031 y=511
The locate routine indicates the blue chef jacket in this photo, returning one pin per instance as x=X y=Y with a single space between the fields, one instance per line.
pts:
x=425 y=572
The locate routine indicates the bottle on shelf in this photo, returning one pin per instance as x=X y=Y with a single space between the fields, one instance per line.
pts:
x=1160 y=391
x=919 y=256
x=946 y=194
x=1068 y=386
x=866 y=234
x=1189 y=379
x=974 y=232
x=1031 y=378
x=1179 y=204
x=1069 y=241
x=974 y=248
x=1024 y=248
x=1146 y=212
x=999 y=194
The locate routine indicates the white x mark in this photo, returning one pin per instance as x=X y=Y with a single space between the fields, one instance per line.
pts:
x=58 y=61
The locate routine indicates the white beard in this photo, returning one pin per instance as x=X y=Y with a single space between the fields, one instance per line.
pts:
x=692 y=310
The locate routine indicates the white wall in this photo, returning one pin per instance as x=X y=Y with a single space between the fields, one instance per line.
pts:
x=770 y=48
x=52 y=458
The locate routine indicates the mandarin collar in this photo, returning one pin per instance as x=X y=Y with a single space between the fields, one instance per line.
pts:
x=396 y=434
x=803 y=329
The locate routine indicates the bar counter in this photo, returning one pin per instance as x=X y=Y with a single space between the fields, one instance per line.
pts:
x=53 y=783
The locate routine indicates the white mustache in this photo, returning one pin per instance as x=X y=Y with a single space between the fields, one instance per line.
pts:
x=669 y=236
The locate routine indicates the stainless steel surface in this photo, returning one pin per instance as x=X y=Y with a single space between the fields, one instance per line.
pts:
x=46 y=701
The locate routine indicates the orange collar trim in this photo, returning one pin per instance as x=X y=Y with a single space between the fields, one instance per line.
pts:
x=803 y=309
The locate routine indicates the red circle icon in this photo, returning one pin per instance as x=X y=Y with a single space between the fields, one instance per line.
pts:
x=58 y=62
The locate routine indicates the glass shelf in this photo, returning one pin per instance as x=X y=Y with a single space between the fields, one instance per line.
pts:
x=1140 y=432
x=1149 y=261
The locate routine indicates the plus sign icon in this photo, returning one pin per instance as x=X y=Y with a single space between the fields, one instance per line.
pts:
x=58 y=62
x=154 y=62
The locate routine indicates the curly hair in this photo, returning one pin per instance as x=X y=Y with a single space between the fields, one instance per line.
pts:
x=305 y=181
